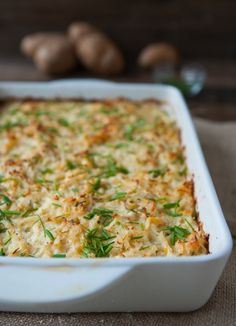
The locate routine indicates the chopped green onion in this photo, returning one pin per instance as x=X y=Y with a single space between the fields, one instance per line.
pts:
x=118 y=195
x=176 y=233
x=157 y=172
x=59 y=256
x=137 y=237
x=71 y=165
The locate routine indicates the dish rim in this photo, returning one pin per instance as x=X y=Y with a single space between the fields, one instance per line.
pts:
x=128 y=261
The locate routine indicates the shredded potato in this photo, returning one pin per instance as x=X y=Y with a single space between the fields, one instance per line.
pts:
x=94 y=179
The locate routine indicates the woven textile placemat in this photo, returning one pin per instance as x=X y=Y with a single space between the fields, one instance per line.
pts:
x=219 y=145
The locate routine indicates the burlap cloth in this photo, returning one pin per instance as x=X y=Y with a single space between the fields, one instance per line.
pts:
x=219 y=145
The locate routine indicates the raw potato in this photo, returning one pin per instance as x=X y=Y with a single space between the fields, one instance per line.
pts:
x=30 y=43
x=55 y=57
x=99 y=54
x=52 y=53
x=78 y=29
x=158 y=53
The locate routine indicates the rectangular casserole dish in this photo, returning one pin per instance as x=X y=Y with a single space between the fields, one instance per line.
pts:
x=125 y=284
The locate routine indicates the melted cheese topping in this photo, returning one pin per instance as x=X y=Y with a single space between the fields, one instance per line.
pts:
x=94 y=179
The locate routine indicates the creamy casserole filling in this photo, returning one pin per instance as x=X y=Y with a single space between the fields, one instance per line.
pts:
x=94 y=179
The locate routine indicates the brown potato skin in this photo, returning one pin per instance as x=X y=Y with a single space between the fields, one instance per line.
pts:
x=77 y=30
x=99 y=54
x=158 y=53
x=30 y=43
x=55 y=56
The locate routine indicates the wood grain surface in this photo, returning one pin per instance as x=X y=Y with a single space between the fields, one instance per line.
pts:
x=198 y=28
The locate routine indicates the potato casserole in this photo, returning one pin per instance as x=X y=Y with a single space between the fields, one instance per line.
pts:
x=95 y=179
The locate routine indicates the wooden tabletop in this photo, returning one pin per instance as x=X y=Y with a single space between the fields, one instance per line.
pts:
x=217 y=101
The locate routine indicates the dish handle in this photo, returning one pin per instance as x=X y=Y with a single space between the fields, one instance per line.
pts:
x=47 y=284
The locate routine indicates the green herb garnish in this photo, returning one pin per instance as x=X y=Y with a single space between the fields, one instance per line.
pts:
x=108 y=110
x=56 y=204
x=42 y=181
x=71 y=165
x=143 y=248
x=121 y=145
x=157 y=172
x=47 y=171
x=176 y=232
x=47 y=233
x=118 y=195
x=7 y=241
x=8 y=125
x=6 y=200
x=63 y=122
x=98 y=243
x=137 y=237
x=2 y=228
x=7 y=213
x=59 y=256
x=131 y=128
x=171 y=208
x=96 y=185
x=53 y=131
x=104 y=213
x=29 y=211
x=111 y=169
x=2 y=253
x=183 y=172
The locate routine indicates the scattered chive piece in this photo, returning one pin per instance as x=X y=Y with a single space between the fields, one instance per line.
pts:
x=53 y=131
x=98 y=243
x=8 y=125
x=176 y=232
x=128 y=132
x=71 y=165
x=108 y=110
x=111 y=169
x=2 y=228
x=104 y=213
x=57 y=205
x=131 y=128
x=42 y=181
x=183 y=172
x=47 y=233
x=171 y=205
x=47 y=171
x=75 y=190
x=137 y=237
x=63 y=122
x=96 y=185
x=118 y=195
x=2 y=253
x=157 y=172
x=6 y=200
x=7 y=213
x=121 y=145
x=59 y=256
x=189 y=224
x=159 y=199
x=172 y=209
x=143 y=248
x=7 y=241
x=29 y=211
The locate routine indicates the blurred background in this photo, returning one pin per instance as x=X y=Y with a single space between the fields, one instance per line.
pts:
x=203 y=33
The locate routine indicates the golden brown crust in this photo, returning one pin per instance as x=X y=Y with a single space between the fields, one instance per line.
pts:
x=95 y=178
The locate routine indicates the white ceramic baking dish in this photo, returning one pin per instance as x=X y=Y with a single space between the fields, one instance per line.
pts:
x=125 y=284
